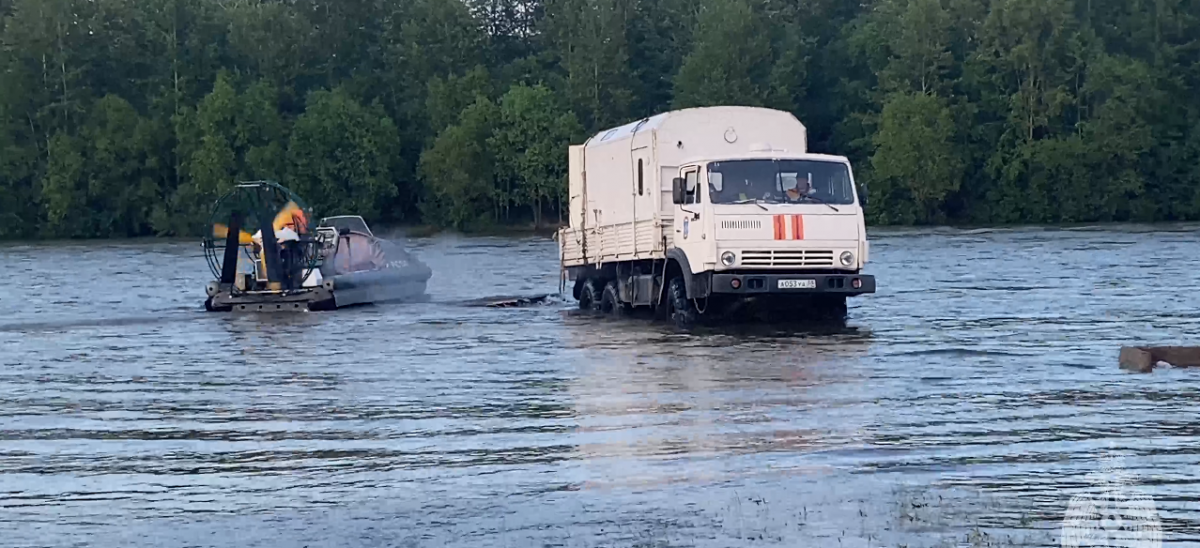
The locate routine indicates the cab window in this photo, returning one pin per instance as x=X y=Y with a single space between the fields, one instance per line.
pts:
x=691 y=188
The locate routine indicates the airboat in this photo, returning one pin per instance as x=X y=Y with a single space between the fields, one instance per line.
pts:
x=289 y=265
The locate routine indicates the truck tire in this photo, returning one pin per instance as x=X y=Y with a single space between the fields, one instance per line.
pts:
x=833 y=308
x=610 y=303
x=589 y=296
x=682 y=311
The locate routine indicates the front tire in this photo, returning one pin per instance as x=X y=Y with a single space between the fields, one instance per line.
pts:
x=832 y=308
x=682 y=311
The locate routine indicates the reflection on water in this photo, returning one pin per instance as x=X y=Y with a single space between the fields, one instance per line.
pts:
x=964 y=403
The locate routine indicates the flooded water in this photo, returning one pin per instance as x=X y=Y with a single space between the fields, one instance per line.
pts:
x=966 y=403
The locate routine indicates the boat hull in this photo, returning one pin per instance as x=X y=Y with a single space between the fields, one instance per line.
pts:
x=378 y=286
x=340 y=291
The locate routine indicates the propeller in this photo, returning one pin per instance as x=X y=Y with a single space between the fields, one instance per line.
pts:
x=222 y=231
x=290 y=216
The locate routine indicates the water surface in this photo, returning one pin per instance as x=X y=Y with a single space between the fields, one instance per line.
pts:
x=966 y=402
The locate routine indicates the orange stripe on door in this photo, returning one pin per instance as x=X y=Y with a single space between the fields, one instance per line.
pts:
x=780 y=228
x=797 y=227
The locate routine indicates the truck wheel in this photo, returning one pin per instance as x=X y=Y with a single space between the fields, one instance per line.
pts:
x=589 y=296
x=830 y=308
x=682 y=311
x=609 y=302
x=838 y=309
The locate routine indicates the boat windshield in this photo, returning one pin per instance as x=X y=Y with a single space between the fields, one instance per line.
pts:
x=353 y=223
x=780 y=182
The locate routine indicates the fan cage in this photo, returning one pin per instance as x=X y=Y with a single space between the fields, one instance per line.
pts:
x=256 y=200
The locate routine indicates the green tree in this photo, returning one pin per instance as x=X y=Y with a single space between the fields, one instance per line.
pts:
x=459 y=170
x=426 y=44
x=533 y=132
x=915 y=159
x=124 y=117
x=64 y=189
x=51 y=50
x=730 y=62
x=658 y=37
x=259 y=134
x=449 y=97
x=510 y=27
x=1103 y=177
x=122 y=181
x=20 y=154
x=589 y=39
x=209 y=162
x=1025 y=44
x=229 y=137
x=908 y=43
x=342 y=156
x=271 y=40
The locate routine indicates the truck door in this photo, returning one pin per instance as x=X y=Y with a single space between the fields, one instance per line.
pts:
x=644 y=184
x=689 y=225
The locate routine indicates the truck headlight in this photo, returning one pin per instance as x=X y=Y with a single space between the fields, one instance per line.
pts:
x=847 y=258
x=728 y=258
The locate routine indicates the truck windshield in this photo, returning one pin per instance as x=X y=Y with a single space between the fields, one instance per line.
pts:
x=779 y=182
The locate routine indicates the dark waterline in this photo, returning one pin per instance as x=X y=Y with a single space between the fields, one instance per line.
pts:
x=974 y=394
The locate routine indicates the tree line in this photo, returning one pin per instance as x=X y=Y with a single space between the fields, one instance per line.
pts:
x=129 y=117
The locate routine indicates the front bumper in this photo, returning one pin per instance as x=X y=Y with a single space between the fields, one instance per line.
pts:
x=794 y=284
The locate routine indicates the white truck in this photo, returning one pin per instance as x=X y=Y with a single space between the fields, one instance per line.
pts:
x=710 y=211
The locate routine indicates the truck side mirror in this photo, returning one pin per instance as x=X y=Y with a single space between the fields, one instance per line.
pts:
x=677 y=190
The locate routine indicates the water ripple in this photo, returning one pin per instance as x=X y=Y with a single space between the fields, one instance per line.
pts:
x=973 y=395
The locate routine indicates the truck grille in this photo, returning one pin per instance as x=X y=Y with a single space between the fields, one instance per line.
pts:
x=789 y=257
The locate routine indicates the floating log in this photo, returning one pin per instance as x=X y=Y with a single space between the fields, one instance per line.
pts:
x=1142 y=359
x=518 y=302
x=508 y=302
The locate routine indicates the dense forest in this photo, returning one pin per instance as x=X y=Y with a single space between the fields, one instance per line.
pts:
x=129 y=117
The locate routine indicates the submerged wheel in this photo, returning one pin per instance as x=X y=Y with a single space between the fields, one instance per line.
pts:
x=683 y=313
x=610 y=303
x=833 y=308
x=589 y=296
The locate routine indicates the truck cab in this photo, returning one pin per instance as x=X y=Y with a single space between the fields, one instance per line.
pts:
x=756 y=215
x=739 y=226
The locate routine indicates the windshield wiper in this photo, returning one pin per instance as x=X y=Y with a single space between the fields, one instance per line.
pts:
x=754 y=201
x=820 y=201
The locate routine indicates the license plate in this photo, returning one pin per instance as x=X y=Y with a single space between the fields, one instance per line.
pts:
x=797 y=284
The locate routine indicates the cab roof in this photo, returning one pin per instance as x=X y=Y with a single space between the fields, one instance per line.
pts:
x=771 y=155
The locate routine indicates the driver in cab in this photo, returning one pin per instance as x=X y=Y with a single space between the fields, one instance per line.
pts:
x=799 y=188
